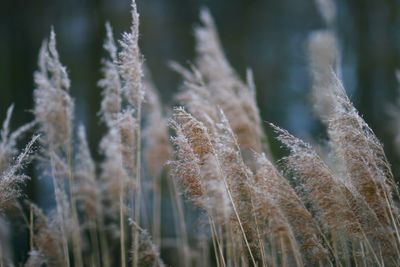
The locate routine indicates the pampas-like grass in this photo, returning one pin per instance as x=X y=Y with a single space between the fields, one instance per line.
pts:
x=8 y=139
x=53 y=105
x=111 y=84
x=11 y=179
x=55 y=120
x=308 y=210
x=86 y=190
x=325 y=191
x=301 y=221
x=131 y=71
x=233 y=96
x=47 y=242
x=148 y=255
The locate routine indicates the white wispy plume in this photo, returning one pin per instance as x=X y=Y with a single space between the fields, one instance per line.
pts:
x=11 y=179
x=86 y=188
x=130 y=62
x=324 y=54
x=236 y=98
x=47 y=247
x=110 y=83
x=8 y=139
x=53 y=105
x=359 y=156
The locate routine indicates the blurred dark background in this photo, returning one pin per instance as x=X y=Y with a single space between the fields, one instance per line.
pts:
x=267 y=35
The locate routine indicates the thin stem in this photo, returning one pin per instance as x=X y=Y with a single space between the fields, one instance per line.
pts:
x=283 y=250
x=76 y=232
x=181 y=224
x=122 y=225
x=95 y=244
x=392 y=218
x=103 y=241
x=138 y=181
x=157 y=210
x=60 y=211
x=234 y=206
x=216 y=251
x=229 y=243
x=31 y=227
x=260 y=240
x=215 y=236
x=1 y=256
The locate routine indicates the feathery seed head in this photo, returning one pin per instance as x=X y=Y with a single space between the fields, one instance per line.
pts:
x=323 y=53
x=114 y=176
x=47 y=239
x=130 y=62
x=53 y=105
x=195 y=132
x=228 y=92
x=361 y=153
x=111 y=84
x=326 y=192
x=186 y=166
x=278 y=188
x=11 y=180
x=148 y=253
x=8 y=139
x=127 y=125
x=86 y=191
x=327 y=9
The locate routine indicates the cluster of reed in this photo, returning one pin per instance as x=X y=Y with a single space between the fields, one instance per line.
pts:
x=331 y=208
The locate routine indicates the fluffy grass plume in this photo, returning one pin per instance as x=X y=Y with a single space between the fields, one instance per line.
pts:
x=305 y=209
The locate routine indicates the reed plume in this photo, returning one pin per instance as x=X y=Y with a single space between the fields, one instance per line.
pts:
x=53 y=105
x=299 y=218
x=131 y=71
x=325 y=191
x=86 y=186
x=54 y=110
x=12 y=179
x=148 y=253
x=234 y=97
x=47 y=242
x=110 y=83
x=8 y=139
x=360 y=157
